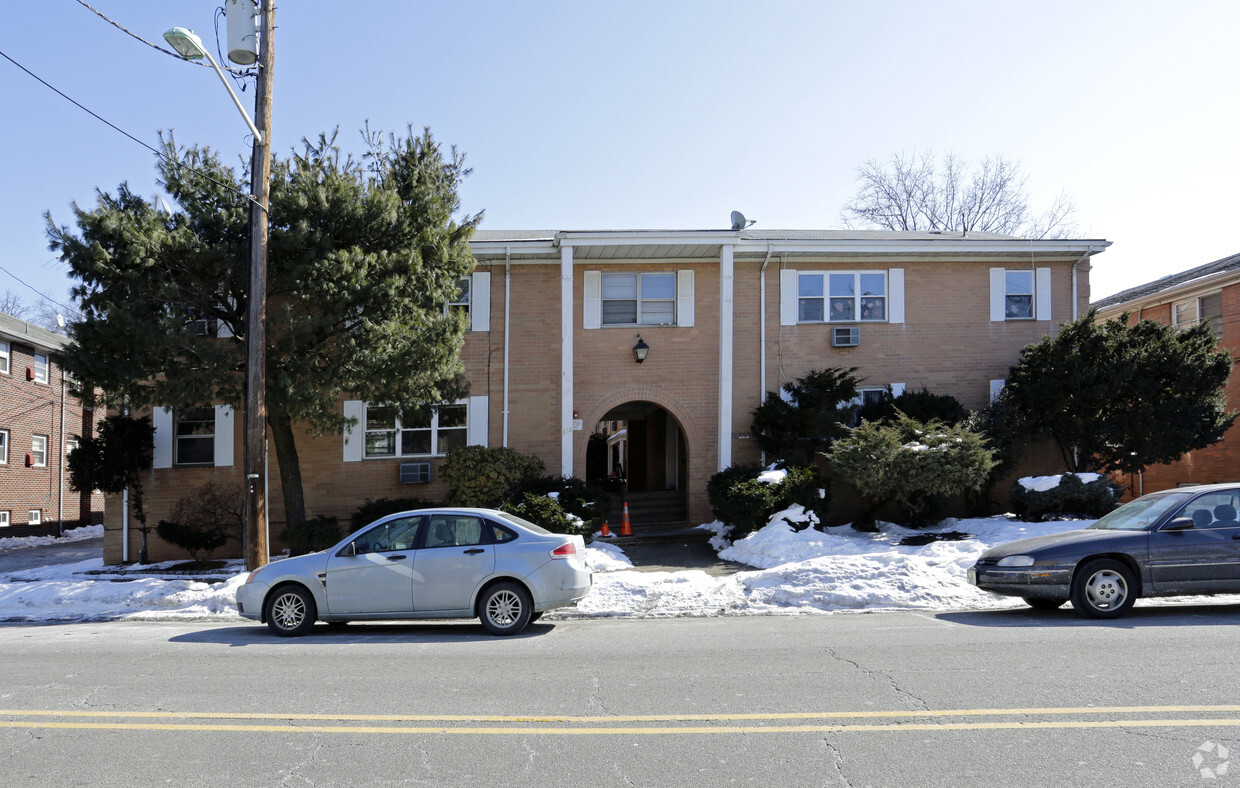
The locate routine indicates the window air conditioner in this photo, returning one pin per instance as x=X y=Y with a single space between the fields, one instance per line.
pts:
x=845 y=336
x=415 y=473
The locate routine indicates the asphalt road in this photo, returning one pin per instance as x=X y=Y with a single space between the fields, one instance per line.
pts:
x=1009 y=698
x=49 y=555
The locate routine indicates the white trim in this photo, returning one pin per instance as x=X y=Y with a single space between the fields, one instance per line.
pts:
x=354 y=435
x=998 y=295
x=223 y=436
x=4 y=449
x=47 y=368
x=6 y=357
x=566 y=360
x=895 y=295
x=477 y=421
x=1042 y=294
x=480 y=301
x=161 y=418
x=592 y=300
x=684 y=298
x=726 y=289
x=47 y=444
x=4 y=518
x=788 y=297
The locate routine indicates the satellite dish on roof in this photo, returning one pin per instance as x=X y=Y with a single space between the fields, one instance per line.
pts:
x=739 y=222
x=60 y=320
x=163 y=206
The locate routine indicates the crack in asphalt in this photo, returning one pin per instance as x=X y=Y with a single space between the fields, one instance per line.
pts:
x=891 y=682
x=837 y=760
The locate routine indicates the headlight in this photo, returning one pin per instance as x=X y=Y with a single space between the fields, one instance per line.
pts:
x=250 y=578
x=1016 y=560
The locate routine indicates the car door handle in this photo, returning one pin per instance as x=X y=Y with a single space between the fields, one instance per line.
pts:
x=477 y=550
x=396 y=558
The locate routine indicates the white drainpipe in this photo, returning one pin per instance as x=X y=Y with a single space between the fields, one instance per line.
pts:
x=762 y=332
x=507 y=331
x=1076 y=265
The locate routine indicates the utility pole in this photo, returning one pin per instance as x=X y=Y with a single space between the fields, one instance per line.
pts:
x=256 y=552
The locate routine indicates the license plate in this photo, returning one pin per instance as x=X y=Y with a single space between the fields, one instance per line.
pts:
x=972 y=577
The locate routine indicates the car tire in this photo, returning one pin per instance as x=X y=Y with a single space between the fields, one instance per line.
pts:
x=1104 y=588
x=290 y=611
x=1042 y=603
x=505 y=609
x=535 y=616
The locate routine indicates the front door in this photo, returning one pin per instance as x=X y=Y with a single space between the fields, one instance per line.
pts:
x=378 y=577
x=1203 y=559
x=456 y=557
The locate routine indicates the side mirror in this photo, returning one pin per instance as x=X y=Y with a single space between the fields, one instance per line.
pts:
x=349 y=549
x=1180 y=524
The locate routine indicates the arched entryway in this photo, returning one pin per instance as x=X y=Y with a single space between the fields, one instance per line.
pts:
x=638 y=452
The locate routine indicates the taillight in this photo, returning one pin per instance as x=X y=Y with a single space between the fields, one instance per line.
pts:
x=564 y=551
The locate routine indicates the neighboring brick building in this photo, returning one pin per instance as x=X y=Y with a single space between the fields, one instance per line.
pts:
x=1209 y=292
x=39 y=422
x=726 y=316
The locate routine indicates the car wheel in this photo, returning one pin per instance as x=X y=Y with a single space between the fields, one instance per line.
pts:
x=1042 y=603
x=1103 y=589
x=535 y=616
x=505 y=609
x=290 y=611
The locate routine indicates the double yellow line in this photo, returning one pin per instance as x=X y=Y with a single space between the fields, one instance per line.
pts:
x=647 y=724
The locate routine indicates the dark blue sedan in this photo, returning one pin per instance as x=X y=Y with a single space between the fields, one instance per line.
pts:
x=1169 y=543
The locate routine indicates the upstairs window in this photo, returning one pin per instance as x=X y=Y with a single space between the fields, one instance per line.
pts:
x=639 y=299
x=842 y=297
x=4 y=358
x=1018 y=295
x=432 y=432
x=461 y=302
x=1206 y=309
x=195 y=437
x=41 y=368
x=4 y=447
x=38 y=451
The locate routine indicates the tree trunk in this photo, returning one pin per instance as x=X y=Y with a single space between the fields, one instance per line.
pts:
x=290 y=468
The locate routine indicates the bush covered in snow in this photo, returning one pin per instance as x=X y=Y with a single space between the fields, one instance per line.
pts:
x=910 y=463
x=1086 y=494
x=745 y=496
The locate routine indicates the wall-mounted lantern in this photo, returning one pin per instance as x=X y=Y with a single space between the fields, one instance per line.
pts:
x=640 y=350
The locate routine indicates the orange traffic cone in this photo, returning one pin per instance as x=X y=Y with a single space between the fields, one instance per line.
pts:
x=626 y=528
x=606 y=531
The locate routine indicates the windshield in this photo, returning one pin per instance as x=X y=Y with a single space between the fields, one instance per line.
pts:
x=1140 y=514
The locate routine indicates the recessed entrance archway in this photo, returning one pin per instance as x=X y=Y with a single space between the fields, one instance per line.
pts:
x=639 y=452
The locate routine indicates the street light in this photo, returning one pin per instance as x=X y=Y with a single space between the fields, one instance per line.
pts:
x=189 y=46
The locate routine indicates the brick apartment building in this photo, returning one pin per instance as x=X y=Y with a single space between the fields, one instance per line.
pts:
x=724 y=317
x=1208 y=293
x=39 y=423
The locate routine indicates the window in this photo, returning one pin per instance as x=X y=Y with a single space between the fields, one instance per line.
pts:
x=40 y=368
x=639 y=299
x=4 y=358
x=4 y=447
x=842 y=297
x=1018 y=294
x=454 y=531
x=36 y=517
x=1213 y=510
x=431 y=431
x=4 y=519
x=398 y=534
x=38 y=451
x=71 y=444
x=195 y=437
x=1207 y=309
x=461 y=302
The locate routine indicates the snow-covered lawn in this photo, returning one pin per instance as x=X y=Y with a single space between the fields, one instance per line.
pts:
x=798 y=572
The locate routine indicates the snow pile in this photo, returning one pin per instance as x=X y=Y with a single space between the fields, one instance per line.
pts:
x=72 y=535
x=1044 y=483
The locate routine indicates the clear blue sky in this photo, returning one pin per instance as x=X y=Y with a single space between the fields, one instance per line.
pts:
x=669 y=114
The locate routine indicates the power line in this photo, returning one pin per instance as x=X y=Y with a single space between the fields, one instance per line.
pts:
x=36 y=290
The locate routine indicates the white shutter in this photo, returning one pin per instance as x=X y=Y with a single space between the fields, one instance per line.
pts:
x=897 y=389
x=223 y=436
x=788 y=297
x=161 y=418
x=592 y=300
x=996 y=386
x=477 y=419
x=684 y=298
x=480 y=301
x=895 y=289
x=355 y=436
x=1042 y=301
x=998 y=294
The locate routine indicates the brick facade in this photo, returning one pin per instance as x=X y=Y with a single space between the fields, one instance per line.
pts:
x=947 y=343
x=37 y=412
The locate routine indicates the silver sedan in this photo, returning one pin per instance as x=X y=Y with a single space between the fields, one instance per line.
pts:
x=429 y=563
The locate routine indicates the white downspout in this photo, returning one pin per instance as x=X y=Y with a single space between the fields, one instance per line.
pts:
x=507 y=331
x=566 y=360
x=726 y=285
x=124 y=517
x=60 y=484
x=1076 y=265
x=762 y=332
